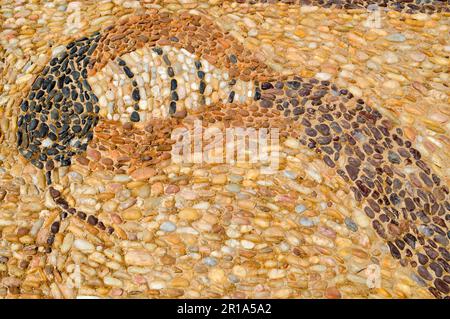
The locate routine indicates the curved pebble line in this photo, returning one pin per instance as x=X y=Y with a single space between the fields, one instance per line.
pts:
x=410 y=211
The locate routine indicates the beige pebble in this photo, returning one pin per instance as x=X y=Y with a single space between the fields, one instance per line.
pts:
x=189 y=214
x=139 y=258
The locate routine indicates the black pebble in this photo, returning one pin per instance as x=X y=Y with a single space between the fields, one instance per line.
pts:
x=43 y=130
x=202 y=87
x=55 y=227
x=89 y=107
x=135 y=117
x=158 y=51
x=78 y=107
x=172 y=107
x=128 y=72
x=266 y=86
x=24 y=106
x=136 y=95
x=231 y=97
x=173 y=84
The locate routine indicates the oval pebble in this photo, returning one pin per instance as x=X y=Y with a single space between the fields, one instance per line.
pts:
x=351 y=225
x=168 y=227
x=306 y=222
x=396 y=37
x=300 y=208
x=210 y=261
x=234 y=188
x=290 y=174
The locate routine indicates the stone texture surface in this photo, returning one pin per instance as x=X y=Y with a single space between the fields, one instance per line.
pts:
x=144 y=225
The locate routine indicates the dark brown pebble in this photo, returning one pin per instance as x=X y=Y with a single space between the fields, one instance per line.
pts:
x=55 y=227
x=426 y=179
x=328 y=161
x=101 y=226
x=369 y=212
x=431 y=252
x=409 y=204
x=335 y=126
x=394 y=251
x=422 y=258
x=424 y=273
x=354 y=162
x=23 y=264
x=446 y=278
x=266 y=103
x=54 y=193
x=365 y=191
x=81 y=215
x=62 y=202
x=323 y=129
x=441 y=285
x=310 y=132
x=437 y=269
x=379 y=228
x=49 y=165
x=92 y=220
x=352 y=172
x=324 y=140
x=410 y=240
x=50 y=239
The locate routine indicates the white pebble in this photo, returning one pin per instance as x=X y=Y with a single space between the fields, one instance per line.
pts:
x=168 y=227
x=322 y=76
x=83 y=245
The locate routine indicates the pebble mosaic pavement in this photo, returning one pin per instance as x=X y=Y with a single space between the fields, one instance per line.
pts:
x=70 y=115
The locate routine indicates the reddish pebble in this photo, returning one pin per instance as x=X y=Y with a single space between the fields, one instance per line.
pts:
x=172 y=189
x=116 y=219
x=116 y=292
x=93 y=154
x=332 y=293
x=83 y=160
x=107 y=161
x=143 y=173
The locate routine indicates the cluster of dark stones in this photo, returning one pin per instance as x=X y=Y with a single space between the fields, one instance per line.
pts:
x=173 y=82
x=134 y=117
x=60 y=109
x=57 y=119
x=410 y=212
x=70 y=211
x=171 y=73
x=407 y=6
x=233 y=60
x=201 y=77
